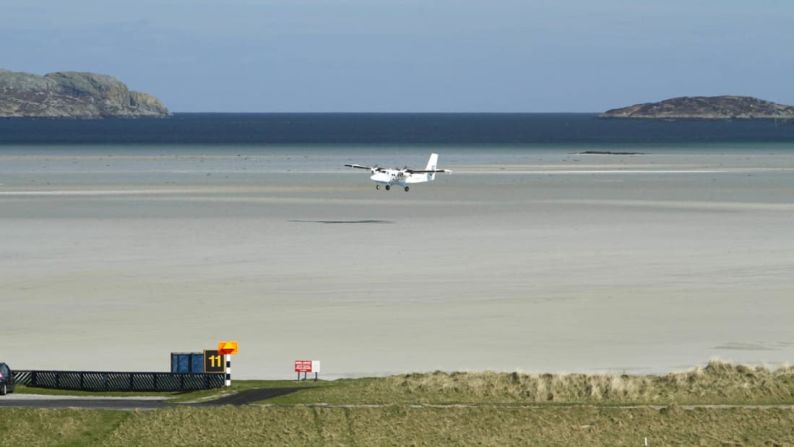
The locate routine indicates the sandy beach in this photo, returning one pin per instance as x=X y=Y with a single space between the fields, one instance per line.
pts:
x=539 y=260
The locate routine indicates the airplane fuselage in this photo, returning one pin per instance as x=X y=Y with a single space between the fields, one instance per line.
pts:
x=395 y=177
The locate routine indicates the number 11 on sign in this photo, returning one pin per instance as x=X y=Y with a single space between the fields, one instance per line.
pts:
x=213 y=362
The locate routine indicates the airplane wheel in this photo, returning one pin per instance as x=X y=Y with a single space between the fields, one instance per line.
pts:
x=388 y=187
x=406 y=189
x=377 y=186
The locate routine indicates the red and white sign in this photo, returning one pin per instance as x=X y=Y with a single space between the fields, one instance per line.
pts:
x=307 y=366
x=303 y=366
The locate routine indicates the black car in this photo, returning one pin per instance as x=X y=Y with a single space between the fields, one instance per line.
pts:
x=6 y=380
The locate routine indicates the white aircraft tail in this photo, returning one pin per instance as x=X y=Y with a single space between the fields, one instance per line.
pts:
x=432 y=164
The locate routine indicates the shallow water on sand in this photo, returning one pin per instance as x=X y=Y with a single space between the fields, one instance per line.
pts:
x=538 y=260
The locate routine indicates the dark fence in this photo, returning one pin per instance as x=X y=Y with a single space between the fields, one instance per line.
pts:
x=118 y=381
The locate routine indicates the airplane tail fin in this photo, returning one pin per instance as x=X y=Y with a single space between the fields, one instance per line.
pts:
x=432 y=164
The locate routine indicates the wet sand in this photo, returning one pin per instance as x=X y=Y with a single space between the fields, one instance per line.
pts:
x=541 y=261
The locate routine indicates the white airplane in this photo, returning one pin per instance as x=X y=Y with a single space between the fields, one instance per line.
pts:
x=387 y=177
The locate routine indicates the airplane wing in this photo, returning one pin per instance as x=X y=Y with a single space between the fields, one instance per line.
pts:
x=360 y=167
x=371 y=168
x=425 y=171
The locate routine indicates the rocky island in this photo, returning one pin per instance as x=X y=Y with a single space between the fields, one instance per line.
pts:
x=705 y=107
x=73 y=95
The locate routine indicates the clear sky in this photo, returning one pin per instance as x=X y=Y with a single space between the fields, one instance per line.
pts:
x=411 y=55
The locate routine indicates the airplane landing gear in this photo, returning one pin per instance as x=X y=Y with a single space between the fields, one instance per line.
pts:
x=406 y=189
x=388 y=187
x=377 y=186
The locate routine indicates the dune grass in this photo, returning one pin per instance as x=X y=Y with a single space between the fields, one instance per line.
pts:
x=716 y=383
x=399 y=425
x=685 y=408
x=64 y=428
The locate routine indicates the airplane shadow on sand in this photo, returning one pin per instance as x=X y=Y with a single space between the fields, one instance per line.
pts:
x=363 y=221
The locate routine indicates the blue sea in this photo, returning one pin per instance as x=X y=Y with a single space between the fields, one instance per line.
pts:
x=390 y=129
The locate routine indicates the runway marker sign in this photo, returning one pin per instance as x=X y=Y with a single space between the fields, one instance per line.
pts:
x=214 y=362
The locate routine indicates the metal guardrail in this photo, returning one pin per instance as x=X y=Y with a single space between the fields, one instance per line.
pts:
x=118 y=381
